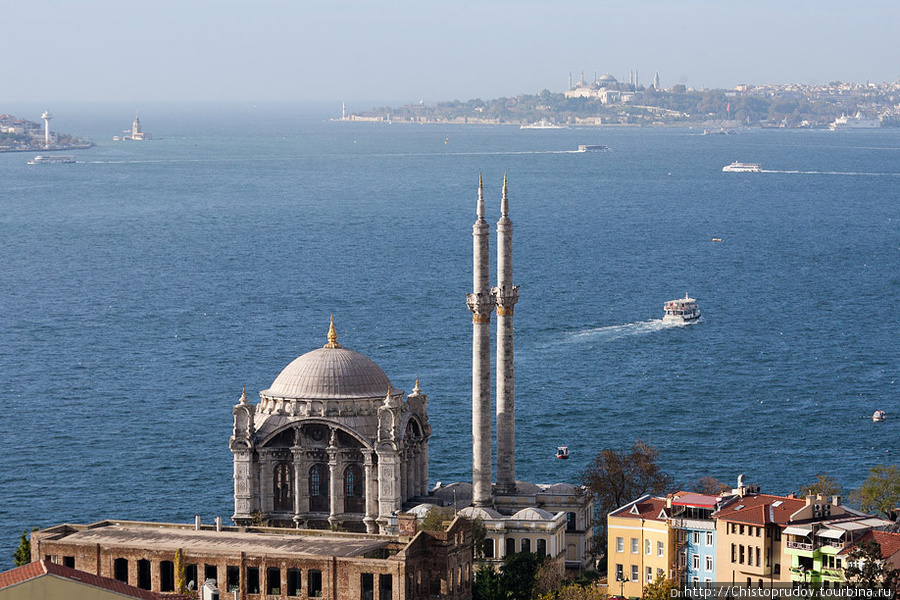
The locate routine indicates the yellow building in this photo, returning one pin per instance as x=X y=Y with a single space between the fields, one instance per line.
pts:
x=749 y=541
x=639 y=547
x=44 y=580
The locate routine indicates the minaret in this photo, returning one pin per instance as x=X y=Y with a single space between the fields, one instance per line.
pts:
x=46 y=117
x=481 y=303
x=505 y=297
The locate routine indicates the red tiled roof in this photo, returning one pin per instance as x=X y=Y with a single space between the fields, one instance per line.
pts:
x=760 y=509
x=41 y=568
x=889 y=542
x=647 y=508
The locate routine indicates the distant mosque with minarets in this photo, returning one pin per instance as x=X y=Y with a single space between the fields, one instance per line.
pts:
x=333 y=444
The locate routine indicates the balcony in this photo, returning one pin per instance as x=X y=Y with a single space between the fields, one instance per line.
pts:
x=801 y=546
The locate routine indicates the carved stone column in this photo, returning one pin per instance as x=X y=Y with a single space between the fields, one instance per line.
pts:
x=297 y=452
x=371 y=493
x=334 y=481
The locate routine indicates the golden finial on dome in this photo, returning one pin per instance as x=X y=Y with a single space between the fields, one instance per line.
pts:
x=243 y=398
x=332 y=336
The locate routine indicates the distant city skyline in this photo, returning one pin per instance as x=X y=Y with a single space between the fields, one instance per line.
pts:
x=402 y=51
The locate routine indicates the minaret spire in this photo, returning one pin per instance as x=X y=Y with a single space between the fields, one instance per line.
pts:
x=481 y=304
x=505 y=297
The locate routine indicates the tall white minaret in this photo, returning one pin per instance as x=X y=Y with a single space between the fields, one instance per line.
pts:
x=505 y=297
x=46 y=117
x=481 y=303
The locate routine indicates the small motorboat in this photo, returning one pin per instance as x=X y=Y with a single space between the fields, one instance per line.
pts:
x=562 y=452
x=878 y=416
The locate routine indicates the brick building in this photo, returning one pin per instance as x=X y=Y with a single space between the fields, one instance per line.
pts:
x=268 y=563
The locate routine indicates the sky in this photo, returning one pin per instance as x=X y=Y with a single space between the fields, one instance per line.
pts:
x=402 y=51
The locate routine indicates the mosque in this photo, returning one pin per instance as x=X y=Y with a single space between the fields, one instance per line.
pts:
x=331 y=478
x=333 y=444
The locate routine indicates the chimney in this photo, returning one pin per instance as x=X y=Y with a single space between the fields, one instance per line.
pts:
x=836 y=500
x=218 y=523
x=197 y=523
x=809 y=499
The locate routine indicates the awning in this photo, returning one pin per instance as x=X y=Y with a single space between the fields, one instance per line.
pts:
x=803 y=530
x=831 y=533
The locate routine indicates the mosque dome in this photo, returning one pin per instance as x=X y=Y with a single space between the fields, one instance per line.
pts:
x=607 y=78
x=331 y=372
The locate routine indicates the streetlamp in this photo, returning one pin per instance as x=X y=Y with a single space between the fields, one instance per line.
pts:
x=622 y=581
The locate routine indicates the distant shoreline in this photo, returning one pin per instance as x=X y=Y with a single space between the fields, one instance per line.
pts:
x=84 y=146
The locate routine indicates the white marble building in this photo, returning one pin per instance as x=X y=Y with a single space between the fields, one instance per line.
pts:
x=332 y=444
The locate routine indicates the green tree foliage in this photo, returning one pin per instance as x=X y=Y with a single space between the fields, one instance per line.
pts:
x=825 y=485
x=880 y=492
x=435 y=518
x=867 y=569
x=517 y=579
x=660 y=589
x=487 y=584
x=22 y=555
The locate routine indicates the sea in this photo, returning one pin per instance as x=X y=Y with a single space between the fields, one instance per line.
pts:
x=142 y=288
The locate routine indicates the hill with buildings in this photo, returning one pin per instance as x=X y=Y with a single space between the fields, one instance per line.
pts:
x=21 y=135
x=606 y=101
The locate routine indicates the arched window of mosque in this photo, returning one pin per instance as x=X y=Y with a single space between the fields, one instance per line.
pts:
x=488 y=548
x=283 y=486
x=510 y=546
x=353 y=490
x=570 y=521
x=542 y=547
x=318 y=488
x=526 y=544
x=412 y=429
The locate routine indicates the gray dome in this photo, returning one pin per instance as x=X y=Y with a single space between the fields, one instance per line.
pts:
x=330 y=373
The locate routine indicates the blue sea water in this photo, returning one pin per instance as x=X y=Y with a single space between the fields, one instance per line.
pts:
x=143 y=287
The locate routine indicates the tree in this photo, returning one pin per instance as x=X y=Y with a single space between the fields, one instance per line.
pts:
x=825 y=485
x=487 y=584
x=866 y=567
x=435 y=517
x=575 y=591
x=616 y=478
x=22 y=555
x=519 y=574
x=880 y=492
x=661 y=589
x=710 y=486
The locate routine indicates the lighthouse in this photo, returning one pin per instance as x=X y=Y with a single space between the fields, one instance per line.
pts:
x=46 y=117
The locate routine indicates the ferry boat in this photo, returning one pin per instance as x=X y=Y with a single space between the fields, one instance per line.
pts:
x=562 y=453
x=739 y=167
x=878 y=416
x=543 y=124
x=683 y=310
x=592 y=148
x=40 y=159
x=855 y=122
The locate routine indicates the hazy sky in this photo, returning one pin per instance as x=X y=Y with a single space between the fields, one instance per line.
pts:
x=405 y=50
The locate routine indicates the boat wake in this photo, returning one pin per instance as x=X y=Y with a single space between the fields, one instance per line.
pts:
x=831 y=173
x=614 y=332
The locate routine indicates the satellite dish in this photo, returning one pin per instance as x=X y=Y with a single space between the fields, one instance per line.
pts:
x=191 y=585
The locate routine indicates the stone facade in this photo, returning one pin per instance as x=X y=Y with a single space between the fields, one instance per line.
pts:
x=332 y=444
x=268 y=563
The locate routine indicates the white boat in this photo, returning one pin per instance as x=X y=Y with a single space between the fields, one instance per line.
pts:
x=40 y=159
x=683 y=310
x=879 y=415
x=855 y=122
x=562 y=453
x=739 y=167
x=592 y=148
x=543 y=124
